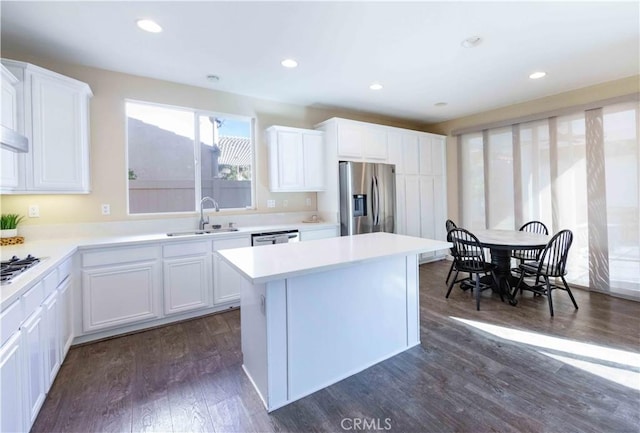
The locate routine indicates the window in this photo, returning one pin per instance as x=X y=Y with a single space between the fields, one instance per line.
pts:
x=176 y=156
x=579 y=172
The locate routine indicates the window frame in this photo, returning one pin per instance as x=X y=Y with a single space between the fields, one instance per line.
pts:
x=196 y=157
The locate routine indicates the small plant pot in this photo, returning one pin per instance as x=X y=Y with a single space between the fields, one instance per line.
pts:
x=8 y=233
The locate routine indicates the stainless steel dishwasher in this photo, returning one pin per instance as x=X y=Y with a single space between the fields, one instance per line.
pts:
x=278 y=237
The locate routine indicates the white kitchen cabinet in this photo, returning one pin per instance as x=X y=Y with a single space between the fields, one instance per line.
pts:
x=295 y=159
x=360 y=141
x=53 y=112
x=394 y=146
x=51 y=317
x=34 y=336
x=432 y=158
x=120 y=286
x=411 y=152
x=12 y=379
x=187 y=276
x=8 y=159
x=66 y=317
x=322 y=233
x=227 y=281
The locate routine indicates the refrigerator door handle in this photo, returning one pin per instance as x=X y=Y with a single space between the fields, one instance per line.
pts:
x=375 y=193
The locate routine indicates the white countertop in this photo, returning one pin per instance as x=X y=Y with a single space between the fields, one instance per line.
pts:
x=274 y=262
x=54 y=251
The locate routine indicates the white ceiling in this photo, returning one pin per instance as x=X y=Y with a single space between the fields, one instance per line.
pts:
x=412 y=48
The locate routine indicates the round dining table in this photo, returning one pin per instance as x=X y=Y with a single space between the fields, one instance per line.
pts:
x=501 y=243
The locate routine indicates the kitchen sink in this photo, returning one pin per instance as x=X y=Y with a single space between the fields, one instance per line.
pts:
x=203 y=232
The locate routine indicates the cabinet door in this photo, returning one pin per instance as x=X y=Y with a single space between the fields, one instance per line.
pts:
x=425 y=154
x=412 y=209
x=290 y=160
x=8 y=159
x=401 y=205
x=187 y=284
x=438 y=155
x=66 y=317
x=411 y=153
x=394 y=146
x=34 y=338
x=226 y=287
x=12 y=381
x=374 y=144
x=119 y=295
x=51 y=319
x=313 y=153
x=439 y=208
x=350 y=140
x=59 y=136
x=427 y=215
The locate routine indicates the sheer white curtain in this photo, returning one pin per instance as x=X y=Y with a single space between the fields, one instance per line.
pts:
x=472 y=197
x=535 y=173
x=499 y=182
x=569 y=192
x=622 y=160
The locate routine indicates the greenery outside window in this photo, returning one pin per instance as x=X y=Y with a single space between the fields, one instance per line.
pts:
x=176 y=156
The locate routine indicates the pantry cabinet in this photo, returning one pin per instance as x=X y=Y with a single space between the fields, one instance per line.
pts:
x=295 y=159
x=187 y=276
x=53 y=112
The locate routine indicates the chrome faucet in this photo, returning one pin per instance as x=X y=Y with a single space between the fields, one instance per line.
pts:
x=203 y=221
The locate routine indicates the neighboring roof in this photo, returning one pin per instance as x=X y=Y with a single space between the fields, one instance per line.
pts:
x=235 y=151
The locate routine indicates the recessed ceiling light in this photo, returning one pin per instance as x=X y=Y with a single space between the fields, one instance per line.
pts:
x=537 y=75
x=471 y=42
x=375 y=86
x=289 y=63
x=213 y=78
x=440 y=104
x=149 y=26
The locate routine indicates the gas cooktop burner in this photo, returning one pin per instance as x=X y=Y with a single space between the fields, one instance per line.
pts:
x=15 y=266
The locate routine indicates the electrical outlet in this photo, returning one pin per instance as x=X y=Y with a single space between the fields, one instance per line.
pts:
x=307 y=201
x=106 y=209
x=271 y=203
x=34 y=211
x=285 y=203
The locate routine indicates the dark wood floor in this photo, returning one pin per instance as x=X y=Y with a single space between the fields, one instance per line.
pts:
x=187 y=377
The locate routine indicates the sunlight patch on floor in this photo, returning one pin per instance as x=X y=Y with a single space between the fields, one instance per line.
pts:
x=627 y=374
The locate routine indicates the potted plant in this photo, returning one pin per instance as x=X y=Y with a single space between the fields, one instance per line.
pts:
x=9 y=225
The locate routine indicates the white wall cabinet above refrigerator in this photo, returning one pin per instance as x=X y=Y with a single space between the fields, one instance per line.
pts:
x=53 y=112
x=296 y=159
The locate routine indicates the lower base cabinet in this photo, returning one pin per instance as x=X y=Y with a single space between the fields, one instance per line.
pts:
x=12 y=377
x=186 y=277
x=66 y=317
x=34 y=337
x=52 y=336
x=227 y=281
x=105 y=288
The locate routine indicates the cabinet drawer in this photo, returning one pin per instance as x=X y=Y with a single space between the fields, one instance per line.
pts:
x=119 y=255
x=186 y=249
x=224 y=244
x=10 y=320
x=33 y=298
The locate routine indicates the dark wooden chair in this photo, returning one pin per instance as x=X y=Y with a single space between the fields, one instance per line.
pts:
x=449 y=226
x=468 y=256
x=530 y=255
x=552 y=264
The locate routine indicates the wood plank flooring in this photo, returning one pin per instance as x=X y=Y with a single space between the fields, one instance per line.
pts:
x=187 y=377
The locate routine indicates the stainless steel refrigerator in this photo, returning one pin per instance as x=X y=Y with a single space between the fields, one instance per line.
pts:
x=367 y=198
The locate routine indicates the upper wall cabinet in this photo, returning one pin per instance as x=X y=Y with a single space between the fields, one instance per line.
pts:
x=296 y=158
x=360 y=141
x=9 y=159
x=53 y=112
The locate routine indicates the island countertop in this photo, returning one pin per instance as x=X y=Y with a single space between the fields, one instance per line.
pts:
x=279 y=261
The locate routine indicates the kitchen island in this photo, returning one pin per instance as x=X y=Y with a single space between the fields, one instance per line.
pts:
x=314 y=313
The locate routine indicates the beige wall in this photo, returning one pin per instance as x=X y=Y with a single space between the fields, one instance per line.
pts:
x=108 y=170
x=625 y=86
